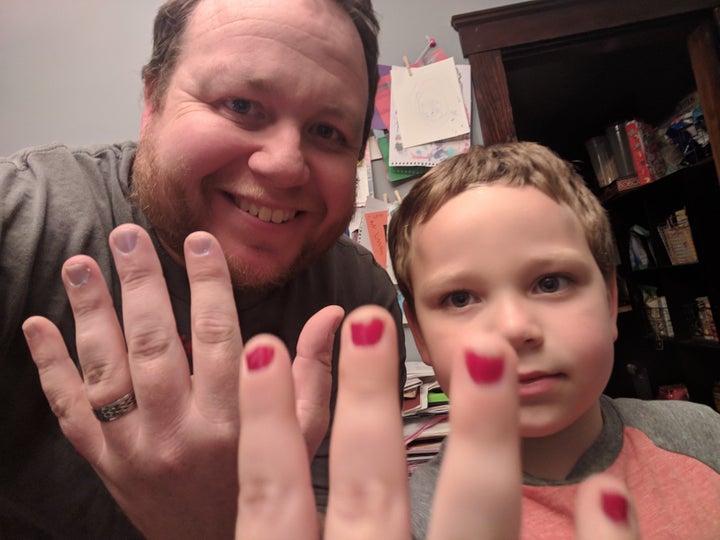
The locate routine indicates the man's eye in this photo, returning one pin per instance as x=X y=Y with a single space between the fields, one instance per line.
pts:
x=458 y=299
x=240 y=106
x=551 y=284
x=327 y=132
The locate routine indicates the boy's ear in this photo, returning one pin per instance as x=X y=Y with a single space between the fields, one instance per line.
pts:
x=416 y=332
x=613 y=300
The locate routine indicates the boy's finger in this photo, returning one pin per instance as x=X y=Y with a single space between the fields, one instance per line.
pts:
x=368 y=473
x=604 y=509
x=479 y=491
x=276 y=500
x=216 y=338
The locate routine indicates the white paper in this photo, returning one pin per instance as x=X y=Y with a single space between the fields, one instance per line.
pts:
x=430 y=154
x=429 y=103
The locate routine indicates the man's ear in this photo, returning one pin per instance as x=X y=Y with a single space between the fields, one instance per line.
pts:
x=416 y=332
x=149 y=108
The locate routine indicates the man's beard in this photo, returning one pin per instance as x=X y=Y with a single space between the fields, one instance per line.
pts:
x=156 y=191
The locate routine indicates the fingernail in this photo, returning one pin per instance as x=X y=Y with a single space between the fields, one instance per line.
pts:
x=200 y=245
x=615 y=507
x=30 y=331
x=125 y=240
x=367 y=334
x=259 y=357
x=78 y=274
x=483 y=369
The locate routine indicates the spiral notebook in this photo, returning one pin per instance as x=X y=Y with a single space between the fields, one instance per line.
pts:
x=432 y=153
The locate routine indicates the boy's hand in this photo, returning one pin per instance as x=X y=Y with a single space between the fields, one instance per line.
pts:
x=171 y=461
x=479 y=492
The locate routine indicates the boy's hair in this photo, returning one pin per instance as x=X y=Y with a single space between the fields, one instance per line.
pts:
x=171 y=22
x=514 y=164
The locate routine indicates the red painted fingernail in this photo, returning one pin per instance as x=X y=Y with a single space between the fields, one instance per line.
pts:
x=259 y=357
x=615 y=507
x=483 y=369
x=367 y=334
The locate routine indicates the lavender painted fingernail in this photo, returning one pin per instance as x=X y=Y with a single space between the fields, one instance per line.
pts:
x=77 y=274
x=200 y=245
x=125 y=240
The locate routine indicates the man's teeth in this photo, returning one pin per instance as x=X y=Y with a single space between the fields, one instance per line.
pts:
x=266 y=214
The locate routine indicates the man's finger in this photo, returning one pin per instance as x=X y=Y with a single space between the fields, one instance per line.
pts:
x=312 y=374
x=276 y=500
x=158 y=363
x=63 y=387
x=99 y=339
x=216 y=338
x=368 y=472
x=479 y=489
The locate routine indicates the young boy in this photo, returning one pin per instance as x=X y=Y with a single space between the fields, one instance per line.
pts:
x=508 y=240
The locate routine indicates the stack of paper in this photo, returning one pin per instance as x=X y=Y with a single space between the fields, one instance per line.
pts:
x=425 y=414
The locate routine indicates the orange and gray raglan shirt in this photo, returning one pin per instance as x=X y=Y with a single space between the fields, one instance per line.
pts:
x=666 y=452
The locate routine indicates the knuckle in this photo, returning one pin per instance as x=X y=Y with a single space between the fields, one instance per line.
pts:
x=149 y=341
x=215 y=326
x=86 y=305
x=95 y=372
x=61 y=405
x=356 y=500
x=259 y=495
x=135 y=277
x=209 y=273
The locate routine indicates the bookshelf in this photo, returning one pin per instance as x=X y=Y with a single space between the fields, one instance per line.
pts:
x=560 y=72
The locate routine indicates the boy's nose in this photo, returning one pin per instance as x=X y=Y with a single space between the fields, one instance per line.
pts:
x=515 y=320
x=280 y=159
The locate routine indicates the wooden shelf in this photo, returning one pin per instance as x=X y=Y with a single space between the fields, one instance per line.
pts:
x=559 y=72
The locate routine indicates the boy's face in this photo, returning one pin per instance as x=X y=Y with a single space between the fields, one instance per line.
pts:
x=512 y=261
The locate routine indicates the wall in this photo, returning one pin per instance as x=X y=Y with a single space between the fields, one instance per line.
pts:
x=71 y=70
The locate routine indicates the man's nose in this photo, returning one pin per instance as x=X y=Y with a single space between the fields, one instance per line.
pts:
x=280 y=158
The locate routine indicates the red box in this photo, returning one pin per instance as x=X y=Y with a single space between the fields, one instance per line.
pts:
x=649 y=164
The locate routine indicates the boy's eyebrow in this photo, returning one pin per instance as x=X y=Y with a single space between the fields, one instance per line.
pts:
x=547 y=260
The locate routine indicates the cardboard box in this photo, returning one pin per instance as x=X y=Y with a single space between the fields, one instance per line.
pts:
x=647 y=159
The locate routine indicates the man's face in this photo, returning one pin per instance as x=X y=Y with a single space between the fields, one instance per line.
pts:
x=258 y=136
x=512 y=262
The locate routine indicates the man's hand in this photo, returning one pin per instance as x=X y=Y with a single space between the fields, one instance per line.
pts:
x=170 y=462
x=479 y=492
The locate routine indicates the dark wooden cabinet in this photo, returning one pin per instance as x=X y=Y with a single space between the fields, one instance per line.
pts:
x=559 y=72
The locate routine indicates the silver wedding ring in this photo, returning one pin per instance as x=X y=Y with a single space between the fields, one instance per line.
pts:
x=116 y=409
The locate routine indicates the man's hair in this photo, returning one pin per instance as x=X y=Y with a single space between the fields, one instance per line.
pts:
x=514 y=164
x=171 y=22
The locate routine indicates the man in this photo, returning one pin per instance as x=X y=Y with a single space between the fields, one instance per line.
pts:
x=255 y=114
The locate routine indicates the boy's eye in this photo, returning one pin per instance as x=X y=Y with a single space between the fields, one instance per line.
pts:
x=458 y=299
x=551 y=284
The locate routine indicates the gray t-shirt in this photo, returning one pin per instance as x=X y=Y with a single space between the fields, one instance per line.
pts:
x=58 y=202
